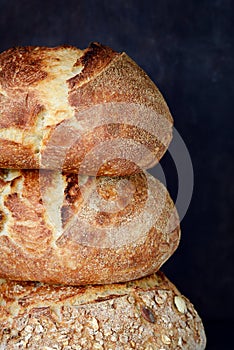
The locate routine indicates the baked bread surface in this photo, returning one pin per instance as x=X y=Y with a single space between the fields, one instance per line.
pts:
x=149 y=313
x=86 y=111
x=69 y=229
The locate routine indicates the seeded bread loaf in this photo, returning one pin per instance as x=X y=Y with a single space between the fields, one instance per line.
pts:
x=146 y=314
x=87 y=111
x=70 y=229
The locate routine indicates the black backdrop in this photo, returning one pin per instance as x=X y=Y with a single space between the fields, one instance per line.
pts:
x=186 y=48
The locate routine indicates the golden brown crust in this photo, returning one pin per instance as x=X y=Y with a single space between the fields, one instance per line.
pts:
x=93 y=99
x=95 y=58
x=122 y=81
x=19 y=110
x=20 y=67
x=16 y=153
x=60 y=228
x=116 y=137
x=149 y=313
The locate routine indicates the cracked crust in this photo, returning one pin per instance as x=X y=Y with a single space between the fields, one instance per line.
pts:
x=61 y=228
x=141 y=314
x=92 y=111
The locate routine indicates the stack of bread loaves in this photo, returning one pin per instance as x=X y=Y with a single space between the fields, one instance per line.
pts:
x=84 y=228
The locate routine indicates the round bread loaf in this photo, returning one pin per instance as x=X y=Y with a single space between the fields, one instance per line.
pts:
x=70 y=229
x=92 y=111
x=146 y=314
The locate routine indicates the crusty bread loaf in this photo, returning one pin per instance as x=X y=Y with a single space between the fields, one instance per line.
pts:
x=69 y=229
x=87 y=111
x=147 y=314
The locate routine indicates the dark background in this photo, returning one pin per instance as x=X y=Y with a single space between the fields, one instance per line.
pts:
x=186 y=48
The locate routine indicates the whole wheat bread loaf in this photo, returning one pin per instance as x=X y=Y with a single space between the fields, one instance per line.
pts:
x=146 y=314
